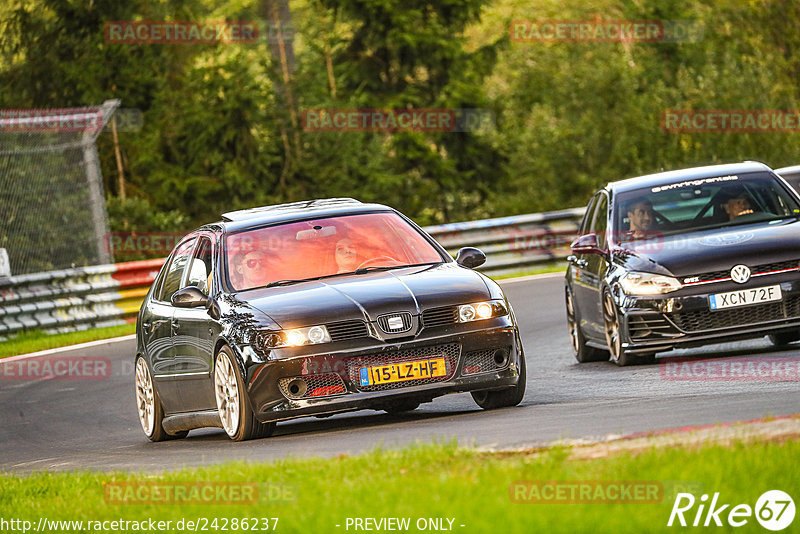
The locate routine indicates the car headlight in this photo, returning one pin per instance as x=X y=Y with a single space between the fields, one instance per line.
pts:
x=645 y=284
x=481 y=310
x=295 y=337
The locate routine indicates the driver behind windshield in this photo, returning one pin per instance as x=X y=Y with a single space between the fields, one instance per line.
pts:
x=641 y=216
x=253 y=268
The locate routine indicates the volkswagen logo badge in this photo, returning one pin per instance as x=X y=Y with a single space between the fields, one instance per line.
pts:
x=740 y=274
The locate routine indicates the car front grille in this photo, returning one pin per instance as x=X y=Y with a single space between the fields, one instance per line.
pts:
x=777 y=266
x=700 y=320
x=450 y=352
x=758 y=269
x=650 y=326
x=436 y=317
x=485 y=361
x=347 y=330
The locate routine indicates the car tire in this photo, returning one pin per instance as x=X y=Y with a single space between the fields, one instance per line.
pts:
x=490 y=400
x=583 y=352
x=148 y=405
x=237 y=417
x=611 y=327
x=784 y=338
x=401 y=406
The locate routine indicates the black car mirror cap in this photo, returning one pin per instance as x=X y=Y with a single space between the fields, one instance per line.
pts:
x=470 y=257
x=586 y=244
x=189 y=297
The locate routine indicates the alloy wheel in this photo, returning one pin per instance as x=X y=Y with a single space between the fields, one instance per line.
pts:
x=145 y=398
x=611 y=323
x=227 y=393
x=572 y=324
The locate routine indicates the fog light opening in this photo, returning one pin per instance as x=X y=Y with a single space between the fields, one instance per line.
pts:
x=500 y=358
x=297 y=387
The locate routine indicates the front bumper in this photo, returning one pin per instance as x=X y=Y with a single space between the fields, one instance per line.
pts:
x=684 y=318
x=330 y=382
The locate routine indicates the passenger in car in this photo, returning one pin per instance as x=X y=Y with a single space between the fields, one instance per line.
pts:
x=738 y=206
x=346 y=256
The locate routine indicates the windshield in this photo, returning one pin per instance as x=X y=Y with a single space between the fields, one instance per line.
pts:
x=702 y=204
x=325 y=247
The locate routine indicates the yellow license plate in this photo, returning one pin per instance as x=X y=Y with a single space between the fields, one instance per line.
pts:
x=400 y=372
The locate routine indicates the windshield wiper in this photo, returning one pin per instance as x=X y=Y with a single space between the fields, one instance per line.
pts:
x=290 y=281
x=364 y=270
x=283 y=283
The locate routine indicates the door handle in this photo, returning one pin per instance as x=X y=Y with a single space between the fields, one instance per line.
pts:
x=146 y=325
x=176 y=326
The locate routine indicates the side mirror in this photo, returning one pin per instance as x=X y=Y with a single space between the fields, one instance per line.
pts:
x=470 y=257
x=586 y=244
x=189 y=297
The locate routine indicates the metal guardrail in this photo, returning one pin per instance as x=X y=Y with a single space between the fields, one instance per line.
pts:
x=515 y=243
x=75 y=299
x=107 y=295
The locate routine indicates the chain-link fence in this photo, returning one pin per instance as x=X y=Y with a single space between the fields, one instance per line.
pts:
x=52 y=207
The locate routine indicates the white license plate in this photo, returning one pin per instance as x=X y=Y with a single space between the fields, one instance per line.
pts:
x=744 y=297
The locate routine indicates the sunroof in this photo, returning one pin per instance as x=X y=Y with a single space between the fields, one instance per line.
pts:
x=291 y=206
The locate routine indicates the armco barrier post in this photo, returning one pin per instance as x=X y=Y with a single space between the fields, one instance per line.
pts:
x=5 y=265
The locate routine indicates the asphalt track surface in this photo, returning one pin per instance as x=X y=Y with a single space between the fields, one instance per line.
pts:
x=61 y=424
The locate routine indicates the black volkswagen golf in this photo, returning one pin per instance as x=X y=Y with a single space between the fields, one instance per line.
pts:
x=682 y=259
x=314 y=308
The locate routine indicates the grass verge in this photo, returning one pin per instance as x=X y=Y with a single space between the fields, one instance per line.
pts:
x=472 y=488
x=34 y=341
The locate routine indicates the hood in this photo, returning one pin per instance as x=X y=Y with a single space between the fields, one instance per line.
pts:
x=369 y=295
x=715 y=250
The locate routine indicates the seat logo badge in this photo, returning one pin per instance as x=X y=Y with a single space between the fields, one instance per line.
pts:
x=740 y=274
x=395 y=323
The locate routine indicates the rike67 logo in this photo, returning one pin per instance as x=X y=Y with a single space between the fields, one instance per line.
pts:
x=774 y=510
